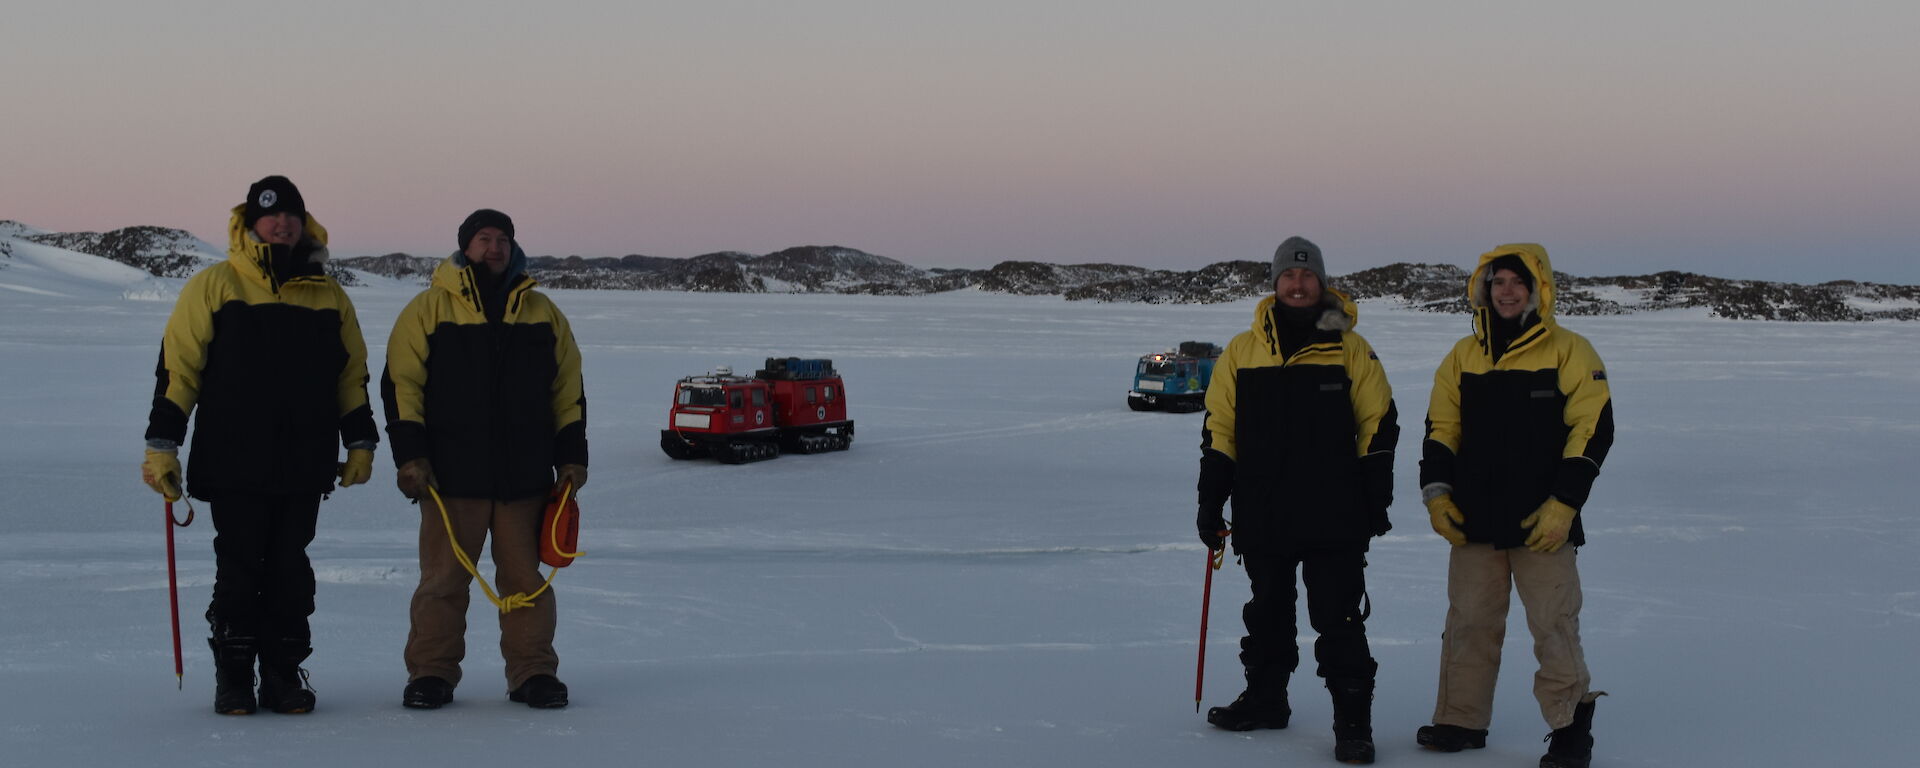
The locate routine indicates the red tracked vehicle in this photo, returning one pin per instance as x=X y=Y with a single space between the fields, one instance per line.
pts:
x=793 y=404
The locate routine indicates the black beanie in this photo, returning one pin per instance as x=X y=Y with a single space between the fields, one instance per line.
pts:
x=1513 y=262
x=273 y=194
x=481 y=219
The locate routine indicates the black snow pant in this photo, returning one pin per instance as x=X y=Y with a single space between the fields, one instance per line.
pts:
x=1336 y=586
x=263 y=583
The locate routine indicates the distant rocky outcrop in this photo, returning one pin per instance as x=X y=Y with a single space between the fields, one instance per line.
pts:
x=158 y=250
x=1442 y=288
x=399 y=266
x=1426 y=287
x=838 y=269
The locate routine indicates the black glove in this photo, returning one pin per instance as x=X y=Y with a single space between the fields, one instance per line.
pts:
x=1211 y=525
x=1216 y=486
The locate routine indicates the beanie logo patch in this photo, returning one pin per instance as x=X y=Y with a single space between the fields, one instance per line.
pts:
x=1302 y=256
x=268 y=198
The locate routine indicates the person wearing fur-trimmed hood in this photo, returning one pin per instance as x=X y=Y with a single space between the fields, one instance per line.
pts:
x=1299 y=436
x=264 y=351
x=1520 y=421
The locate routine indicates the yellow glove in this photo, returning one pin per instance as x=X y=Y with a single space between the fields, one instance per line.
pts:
x=572 y=473
x=413 y=478
x=358 y=467
x=1446 y=519
x=1550 y=524
x=161 y=472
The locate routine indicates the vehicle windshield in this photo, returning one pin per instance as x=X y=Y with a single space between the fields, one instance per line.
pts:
x=702 y=396
x=1151 y=368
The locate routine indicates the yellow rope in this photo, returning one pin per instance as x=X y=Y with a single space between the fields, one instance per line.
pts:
x=510 y=602
x=553 y=532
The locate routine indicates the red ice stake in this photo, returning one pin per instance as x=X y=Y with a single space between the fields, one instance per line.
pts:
x=173 y=593
x=1215 y=558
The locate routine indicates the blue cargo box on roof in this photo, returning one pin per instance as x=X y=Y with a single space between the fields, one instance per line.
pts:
x=797 y=368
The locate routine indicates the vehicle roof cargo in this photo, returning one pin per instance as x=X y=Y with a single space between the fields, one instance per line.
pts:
x=1198 y=349
x=794 y=368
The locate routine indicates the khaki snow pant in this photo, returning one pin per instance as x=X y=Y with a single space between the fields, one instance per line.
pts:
x=1479 y=579
x=437 y=641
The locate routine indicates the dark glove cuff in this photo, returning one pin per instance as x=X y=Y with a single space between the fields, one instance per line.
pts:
x=1216 y=479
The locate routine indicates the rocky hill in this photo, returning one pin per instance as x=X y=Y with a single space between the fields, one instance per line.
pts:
x=1427 y=287
x=158 y=250
x=837 y=269
x=1442 y=288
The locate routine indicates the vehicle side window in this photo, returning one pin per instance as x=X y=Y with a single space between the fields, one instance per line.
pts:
x=811 y=394
x=759 y=398
x=733 y=398
x=829 y=389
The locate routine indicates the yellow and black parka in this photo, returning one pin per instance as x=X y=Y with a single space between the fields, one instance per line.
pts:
x=494 y=404
x=1508 y=427
x=270 y=363
x=1302 y=444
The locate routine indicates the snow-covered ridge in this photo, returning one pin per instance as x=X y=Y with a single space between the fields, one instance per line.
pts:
x=1442 y=288
x=159 y=251
x=172 y=253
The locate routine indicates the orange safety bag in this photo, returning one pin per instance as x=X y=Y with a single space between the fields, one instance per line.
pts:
x=560 y=529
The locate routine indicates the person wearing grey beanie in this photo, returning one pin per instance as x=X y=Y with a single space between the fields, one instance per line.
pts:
x=1298 y=252
x=1299 y=437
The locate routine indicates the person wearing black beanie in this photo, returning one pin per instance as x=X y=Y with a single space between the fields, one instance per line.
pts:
x=481 y=219
x=271 y=195
x=271 y=401
x=500 y=424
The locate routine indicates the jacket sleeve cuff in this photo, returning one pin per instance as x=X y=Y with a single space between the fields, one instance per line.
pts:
x=166 y=422
x=570 y=444
x=409 y=440
x=1573 y=480
x=1436 y=463
x=1216 y=479
x=356 y=427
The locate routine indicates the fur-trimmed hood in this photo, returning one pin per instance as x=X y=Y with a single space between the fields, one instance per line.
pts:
x=1531 y=254
x=253 y=259
x=1338 y=314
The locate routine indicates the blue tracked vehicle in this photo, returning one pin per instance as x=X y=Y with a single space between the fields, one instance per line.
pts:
x=1174 y=380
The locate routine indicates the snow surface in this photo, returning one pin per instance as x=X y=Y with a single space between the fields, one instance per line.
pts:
x=1002 y=569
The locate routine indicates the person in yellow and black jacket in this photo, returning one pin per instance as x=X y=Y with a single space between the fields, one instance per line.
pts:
x=1520 y=420
x=1299 y=435
x=264 y=351
x=484 y=404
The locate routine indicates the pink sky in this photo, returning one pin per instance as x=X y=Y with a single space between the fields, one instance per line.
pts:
x=1628 y=138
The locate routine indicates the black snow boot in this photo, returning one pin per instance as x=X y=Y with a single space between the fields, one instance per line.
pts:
x=1572 y=746
x=540 y=692
x=1262 y=705
x=1352 y=719
x=233 y=675
x=427 y=693
x=1451 y=738
x=283 y=683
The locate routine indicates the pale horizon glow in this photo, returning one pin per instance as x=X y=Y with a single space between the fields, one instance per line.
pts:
x=1714 y=137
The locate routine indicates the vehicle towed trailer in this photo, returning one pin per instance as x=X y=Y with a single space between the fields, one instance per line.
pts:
x=793 y=404
x=1175 y=380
